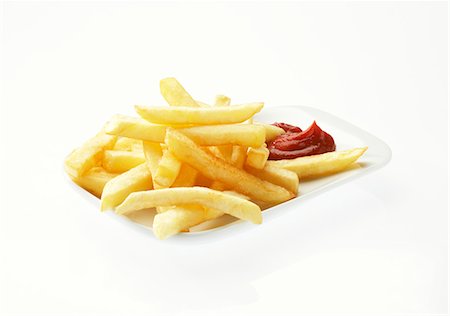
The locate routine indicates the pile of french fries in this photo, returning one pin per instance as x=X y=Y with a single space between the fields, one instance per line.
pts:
x=192 y=162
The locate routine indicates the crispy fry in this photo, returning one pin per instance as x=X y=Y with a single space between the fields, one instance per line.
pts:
x=271 y=131
x=238 y=156
x=94 y=180
x=187 y=151
x=282 y=177
x=139 y=129
x=177 y=219
x=116 y=190
x=128 y=144
x=120 y=161
x=167 y=171
x=227 y=134
x=88 y=155
x=183 y=115
x=226 y=203
x=222 y=100
x=135 y=127
x=320 y=165
x=175 y=94
x=186 y=177
x=257 y=157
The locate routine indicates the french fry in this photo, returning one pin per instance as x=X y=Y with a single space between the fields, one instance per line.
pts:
x=135 y=127
x=226 y=151
x=182 y=115
x=167 y=171
x=128 y=144
x=116 y=190
x=186 y=177
x=175 y=94
x=279 y=176
x=271 y=131
x=222 y=100
x=177 y=219
x=88 y=155
x=320 y=165
x=120 y=161
x=223 y=202
x=227 y=134
x=203 y=181
x=217 y=185
x=257 y=157
x=189 y=152
x=153 y=154
x=238 y=156
x=94 y=180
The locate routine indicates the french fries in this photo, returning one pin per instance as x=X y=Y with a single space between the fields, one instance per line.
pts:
x=182 y=115
x=232 y=134
x=193 y=162
x=94 y=180
x=271 y=131
x=167 y=171
x=128 y=144
x=214 y=135
x=257 y=157
x=120 y=161
x=174 y=93
x=88 y=155
x=134 y=127
x=117 y=189
x=189 y=152
x=226 y=203
x=320 y=165
x=279 y=176
x=177 y=219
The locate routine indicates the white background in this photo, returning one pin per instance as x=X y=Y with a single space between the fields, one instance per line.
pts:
x=378 y=244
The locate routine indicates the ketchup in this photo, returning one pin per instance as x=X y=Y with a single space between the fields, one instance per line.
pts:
x=297 y=143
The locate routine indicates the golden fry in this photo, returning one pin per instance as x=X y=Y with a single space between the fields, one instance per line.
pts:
x=320 y=165
x=120 y=161
x=88 y=155
x=94 y=180
x=189 y=152
x=223 y=202
x=276 y=175
x=183 y=115
x=116 y=190
x=175 y=94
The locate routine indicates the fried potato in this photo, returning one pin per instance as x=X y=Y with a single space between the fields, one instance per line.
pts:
x=217 y=185
x=135 y=127
x=177 y=219
x=257 y=157
x=88 y=155
x=182 y=115
x=167 y=171
x=189 y=152
x=226 y=203
x=186 y=177
x=271 y=131
x=203 y=181
x=238 y=156
x=320 y=165
x=222 y=100
x=153 y=154
x=139 y=129
x=227 y=134
x=279 y=176
x=128 y=144
x=174 y=93
x=116 y=190
x=94 y=180
x=120 y=161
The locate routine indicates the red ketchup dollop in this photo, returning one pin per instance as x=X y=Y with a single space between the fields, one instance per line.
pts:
x=297 y=143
